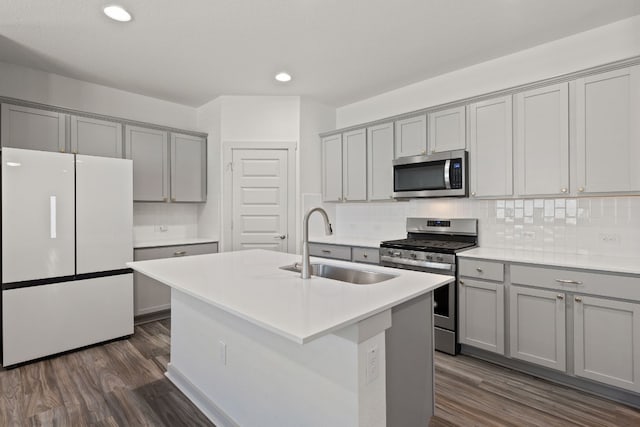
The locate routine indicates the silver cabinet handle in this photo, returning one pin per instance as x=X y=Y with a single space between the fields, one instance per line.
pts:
x=326 y=251
x=581 y=189
x=563 y=190
x=365 y=255
x=473 y=193
x=560 y=296
x=569 y=282
x=281 y=237
x=179 y=253
x=462 y=282
x=478 y=269
x=578 y=299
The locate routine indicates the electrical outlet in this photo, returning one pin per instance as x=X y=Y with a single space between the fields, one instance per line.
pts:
x=609 y=238
x=372 y=370
x=223 y=352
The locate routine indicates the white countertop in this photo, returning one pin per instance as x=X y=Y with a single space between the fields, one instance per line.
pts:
x=250 y=285
x=172 y=242
x=348 y=241
x=607 y=263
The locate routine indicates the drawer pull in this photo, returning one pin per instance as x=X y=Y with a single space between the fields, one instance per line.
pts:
x=326 y=251
x=569 y=282
x=478 y=269
x=560 y=296
x=365 y=255
x=179 y=253
x=578 y=299
x=462 y=282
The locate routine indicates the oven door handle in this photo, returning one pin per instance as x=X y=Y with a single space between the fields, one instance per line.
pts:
x=417 y=263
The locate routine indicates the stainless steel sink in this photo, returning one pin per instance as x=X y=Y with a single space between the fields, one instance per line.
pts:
x=349 y=275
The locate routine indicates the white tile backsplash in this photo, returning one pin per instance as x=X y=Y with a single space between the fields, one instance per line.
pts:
x=586 y=226
x=164 y=221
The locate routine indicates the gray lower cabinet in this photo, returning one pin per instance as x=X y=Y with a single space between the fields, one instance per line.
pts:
x=188 y=168
x=346 y=253
x=33 y=129
x=148 y=148
x=537 y=326
x=151 y=296
x=481 y=314
x=95 y=137
x=606 y=341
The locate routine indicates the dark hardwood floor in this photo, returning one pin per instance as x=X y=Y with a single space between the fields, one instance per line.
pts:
x=122 y=383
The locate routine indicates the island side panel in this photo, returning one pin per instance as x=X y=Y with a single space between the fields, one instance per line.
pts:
x=265 y=379
x=409 y=359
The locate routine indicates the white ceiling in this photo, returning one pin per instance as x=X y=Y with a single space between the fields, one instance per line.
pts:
x=339 y=51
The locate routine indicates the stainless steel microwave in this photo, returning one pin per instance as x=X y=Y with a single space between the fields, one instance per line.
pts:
x=436 y=175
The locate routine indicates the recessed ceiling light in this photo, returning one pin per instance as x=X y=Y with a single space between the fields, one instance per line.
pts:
x=283 y=77
x=117 y=13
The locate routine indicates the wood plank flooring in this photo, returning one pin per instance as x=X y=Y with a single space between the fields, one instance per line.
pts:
x=122 y=383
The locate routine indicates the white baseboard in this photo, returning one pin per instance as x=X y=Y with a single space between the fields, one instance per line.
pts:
x=198 y=398
x=147 y=310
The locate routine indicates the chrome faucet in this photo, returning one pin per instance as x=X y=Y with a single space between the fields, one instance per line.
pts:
x=306 y=264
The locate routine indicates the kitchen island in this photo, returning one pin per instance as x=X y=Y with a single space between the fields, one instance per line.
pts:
x=255 y=345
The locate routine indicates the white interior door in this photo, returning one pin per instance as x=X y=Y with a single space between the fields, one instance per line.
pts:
x=104 y=213
x=37 y=215
x=260 y=199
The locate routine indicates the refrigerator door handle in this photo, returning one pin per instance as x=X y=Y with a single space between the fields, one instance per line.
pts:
x=53 y=217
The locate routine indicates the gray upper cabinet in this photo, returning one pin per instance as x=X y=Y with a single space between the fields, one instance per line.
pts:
x=542 y=141
x=354 y=165
x=411 y=136
x=448 y=130
x=332 y=168
x=491 y=147
x=148 y=148
x=95 y=137
x=608 y=131
x=380 y=162
x=188 y=168
x=33 y=129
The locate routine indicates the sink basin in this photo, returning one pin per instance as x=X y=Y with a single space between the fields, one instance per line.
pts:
x=349 y=275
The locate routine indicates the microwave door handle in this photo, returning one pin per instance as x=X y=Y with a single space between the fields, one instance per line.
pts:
x=447 y=180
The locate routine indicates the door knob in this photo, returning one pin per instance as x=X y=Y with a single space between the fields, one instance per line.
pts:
x=281 y=237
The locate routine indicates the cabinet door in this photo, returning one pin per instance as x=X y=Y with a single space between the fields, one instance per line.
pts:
x=332 y=168
x=607 y=341
x=542 y=141
x=537 y=326
x=33 y=129
x=411 y=136
x=354 y=165
x=448 y=130
x=608 y=131
x=481 y=310
x=188 y=168
x=148 y=149
x=491 y=148
x=95 y=137
x=380 y=162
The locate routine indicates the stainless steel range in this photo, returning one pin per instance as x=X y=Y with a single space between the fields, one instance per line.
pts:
x=431 y=246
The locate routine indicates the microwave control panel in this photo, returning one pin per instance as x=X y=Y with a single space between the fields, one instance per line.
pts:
x=455 y=173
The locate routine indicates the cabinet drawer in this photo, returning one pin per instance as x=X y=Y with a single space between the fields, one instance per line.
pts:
x=143 y=254
x=482 y=269
x=330 y=251
x=585 y=282
x=368 y=255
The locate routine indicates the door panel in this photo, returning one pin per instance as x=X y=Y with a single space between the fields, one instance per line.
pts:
x=188 y=168
x=33 y=129
x=96 y=137
x=148 y=148
x=104 y=208
x=260 y=199
x=37 y=215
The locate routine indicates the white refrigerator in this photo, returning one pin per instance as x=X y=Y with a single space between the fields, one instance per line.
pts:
x=66 y=235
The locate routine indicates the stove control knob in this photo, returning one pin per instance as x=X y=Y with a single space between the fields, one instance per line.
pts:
x=440 y=259
x=396 y=254
x=414 y=256
x=429 y=257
